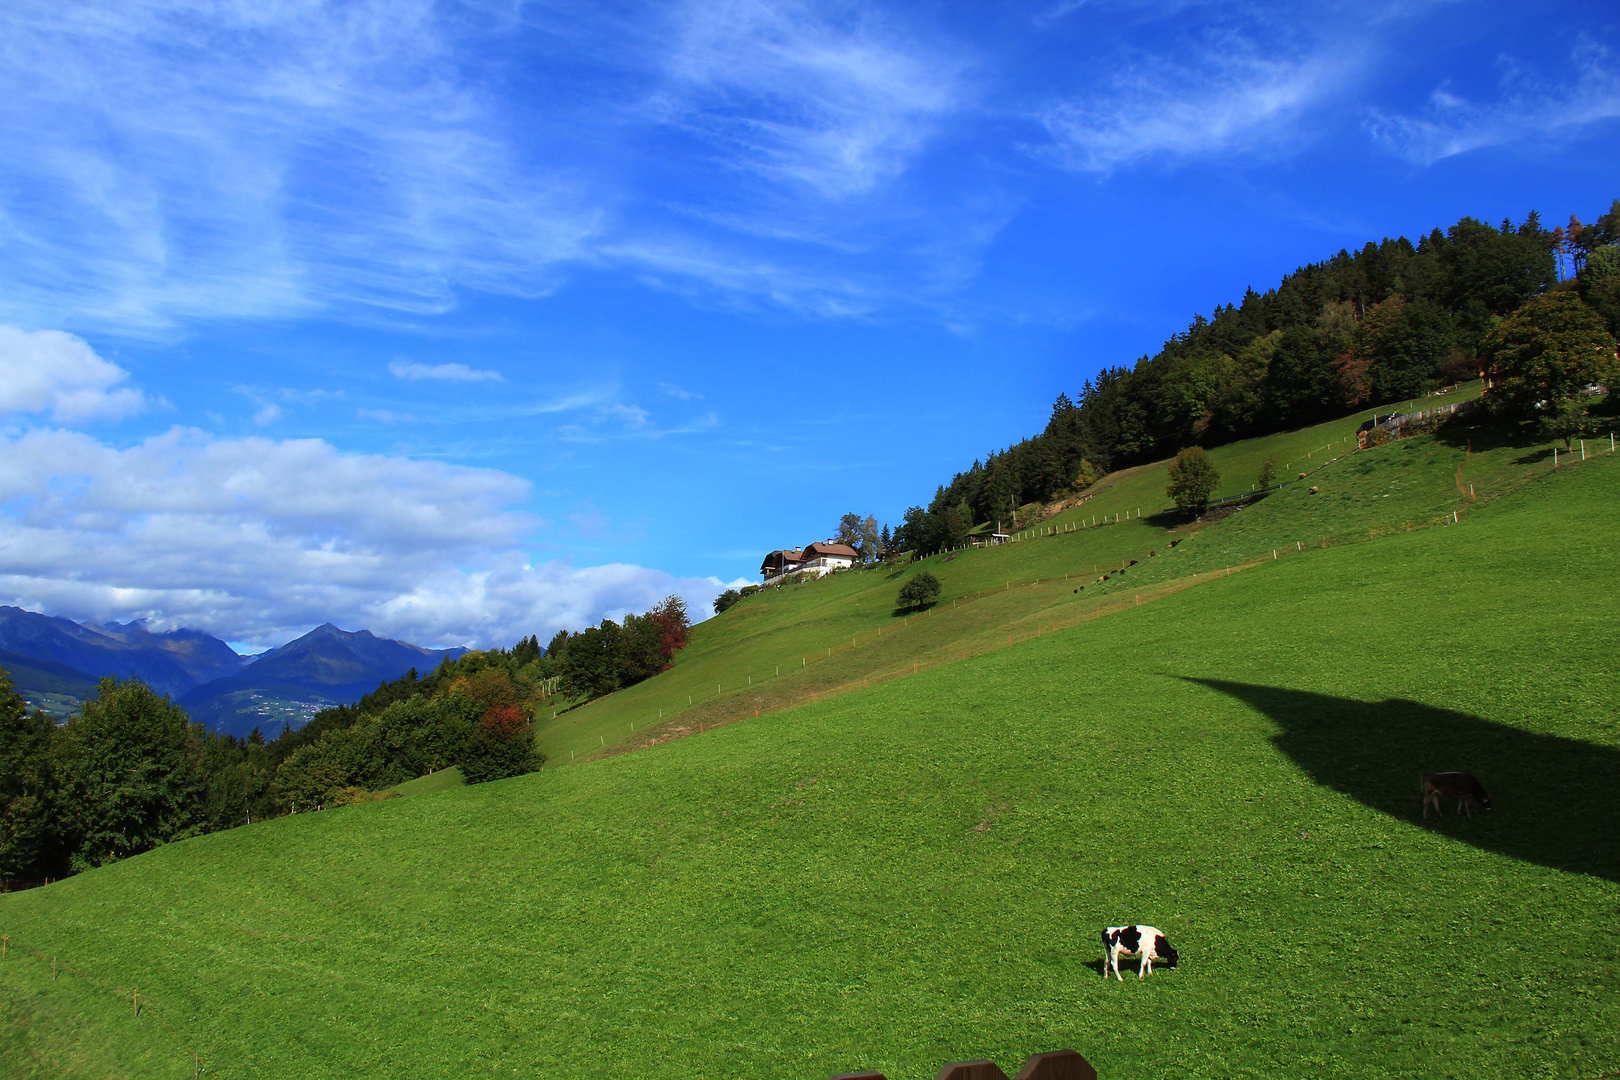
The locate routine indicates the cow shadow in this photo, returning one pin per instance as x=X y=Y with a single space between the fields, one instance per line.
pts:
x=1556 y=800
x=1128 y=967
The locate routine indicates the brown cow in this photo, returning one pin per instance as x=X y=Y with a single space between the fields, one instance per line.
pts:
x=1453 y=785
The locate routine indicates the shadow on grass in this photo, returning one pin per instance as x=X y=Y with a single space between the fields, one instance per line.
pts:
x=1170 y=519
x=1557 y=800
x=1484 y=433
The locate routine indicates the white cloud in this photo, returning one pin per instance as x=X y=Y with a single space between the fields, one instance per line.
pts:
x=676 y=391
x=267 y=415
x=633 y=417
x=831 y=105
x=257 y=540
x=1528 y=112
x=385 y=416
x=1230 y=94
x=52 y=373
x=412 y=370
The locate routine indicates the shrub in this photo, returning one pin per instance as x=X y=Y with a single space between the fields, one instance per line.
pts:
x=1192 y=479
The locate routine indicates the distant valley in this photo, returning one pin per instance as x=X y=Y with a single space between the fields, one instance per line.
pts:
x=56 y=662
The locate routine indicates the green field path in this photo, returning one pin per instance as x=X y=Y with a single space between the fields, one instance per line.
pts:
x=917 y=873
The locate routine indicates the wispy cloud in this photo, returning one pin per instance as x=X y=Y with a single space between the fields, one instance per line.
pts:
x=386 y=416
x=633 y=417
x=1529 y=111
x=411 y=370
x=169 y=161
x=680 y=392
x=738 y=277
x=834 y=103
x=1229 y=93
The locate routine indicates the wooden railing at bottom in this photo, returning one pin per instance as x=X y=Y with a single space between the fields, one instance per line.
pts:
x=1053 y=1065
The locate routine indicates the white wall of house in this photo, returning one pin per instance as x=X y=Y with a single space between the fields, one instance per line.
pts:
x=826 y=564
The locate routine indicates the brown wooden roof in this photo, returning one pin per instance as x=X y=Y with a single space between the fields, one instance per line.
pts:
x=781 y=560
x=819 y=548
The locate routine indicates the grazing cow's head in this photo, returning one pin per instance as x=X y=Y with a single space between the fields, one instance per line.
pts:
x=1161 y=945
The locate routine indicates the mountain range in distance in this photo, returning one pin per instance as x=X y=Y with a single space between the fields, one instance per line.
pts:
x=56 y=662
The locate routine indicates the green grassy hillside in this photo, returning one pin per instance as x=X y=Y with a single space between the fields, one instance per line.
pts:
x=786 y=646
x=917 y=873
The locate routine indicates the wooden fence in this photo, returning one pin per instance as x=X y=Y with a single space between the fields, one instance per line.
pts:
x=1052 y=1065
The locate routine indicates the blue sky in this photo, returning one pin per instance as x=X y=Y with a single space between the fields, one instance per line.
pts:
x=466 y=321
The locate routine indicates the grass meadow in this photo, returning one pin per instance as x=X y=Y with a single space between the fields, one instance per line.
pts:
x=917 y=873
x=783 y=647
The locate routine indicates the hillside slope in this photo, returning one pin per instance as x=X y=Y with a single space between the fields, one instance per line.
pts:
x=915 y=874
x=795 y=644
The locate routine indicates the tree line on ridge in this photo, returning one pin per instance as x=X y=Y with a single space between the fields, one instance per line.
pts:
x=1391 y=321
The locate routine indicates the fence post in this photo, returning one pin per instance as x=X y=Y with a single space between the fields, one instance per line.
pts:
x=1057 y=1065
x=971 y=1070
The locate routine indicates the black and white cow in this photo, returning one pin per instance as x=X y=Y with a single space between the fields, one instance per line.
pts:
x=1147 y=941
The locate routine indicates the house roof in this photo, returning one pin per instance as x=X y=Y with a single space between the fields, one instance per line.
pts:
x=782 y=559
x=823 y=548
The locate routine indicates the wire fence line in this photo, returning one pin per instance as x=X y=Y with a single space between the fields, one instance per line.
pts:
x=138 y=1008
x=752 y=697
x=744 y=705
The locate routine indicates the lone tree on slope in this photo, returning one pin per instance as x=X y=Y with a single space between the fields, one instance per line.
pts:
x=1268 y=472
x=1192 y=479
x=920 y=591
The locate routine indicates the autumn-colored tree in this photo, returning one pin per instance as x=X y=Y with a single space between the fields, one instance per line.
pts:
x=671 y=616
x=502 y=745
x=504 y=721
